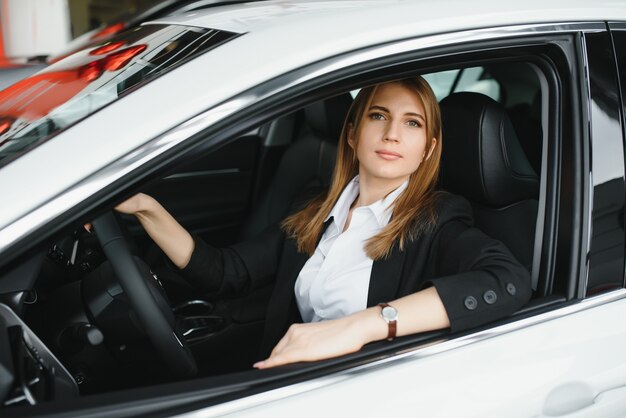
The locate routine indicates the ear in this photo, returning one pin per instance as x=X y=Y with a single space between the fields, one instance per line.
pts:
x=351 y=141
x=433 y=142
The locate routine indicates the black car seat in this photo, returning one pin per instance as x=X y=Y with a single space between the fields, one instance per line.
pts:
x=484 y=161
x=307 y=163
x=526 y=120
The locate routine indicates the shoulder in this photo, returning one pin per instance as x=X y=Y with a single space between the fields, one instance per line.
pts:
x=441 y=209
x=451 y=207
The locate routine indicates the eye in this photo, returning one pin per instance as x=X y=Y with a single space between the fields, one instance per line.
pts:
x=376 y=116
x=414 y=123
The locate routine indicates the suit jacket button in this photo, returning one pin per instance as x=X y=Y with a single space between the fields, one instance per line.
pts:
x=490 y=297
x=470 y=303
x=510 y=288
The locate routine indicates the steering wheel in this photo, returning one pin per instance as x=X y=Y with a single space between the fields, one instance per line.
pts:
x=158 y=322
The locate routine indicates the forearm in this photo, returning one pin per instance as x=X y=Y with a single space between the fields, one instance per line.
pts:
x=166 y=232
x=418 y=312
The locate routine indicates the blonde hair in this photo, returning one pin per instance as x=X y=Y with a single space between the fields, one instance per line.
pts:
x=413 y=210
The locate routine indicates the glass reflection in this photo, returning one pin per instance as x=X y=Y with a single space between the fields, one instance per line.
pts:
x=40 y=106
x=606 y=256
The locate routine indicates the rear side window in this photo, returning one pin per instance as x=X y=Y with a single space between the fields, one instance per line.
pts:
x=606 y=255
x=38 y=107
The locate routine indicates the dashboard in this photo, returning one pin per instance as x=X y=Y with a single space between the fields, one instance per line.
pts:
x=29 y=372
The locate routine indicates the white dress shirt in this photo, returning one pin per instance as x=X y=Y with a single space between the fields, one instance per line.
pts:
x=334 y=282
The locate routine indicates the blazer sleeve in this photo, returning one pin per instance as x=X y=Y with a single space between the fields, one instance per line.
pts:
x=236 y=269
x=477 y=277
x=244 y=266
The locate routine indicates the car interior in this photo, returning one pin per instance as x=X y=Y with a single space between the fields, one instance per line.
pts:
x=493 y=154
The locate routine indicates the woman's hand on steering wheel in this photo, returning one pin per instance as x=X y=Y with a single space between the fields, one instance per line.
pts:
x=153 y=313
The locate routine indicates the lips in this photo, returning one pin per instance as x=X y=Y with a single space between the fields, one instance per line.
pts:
x=388 y=155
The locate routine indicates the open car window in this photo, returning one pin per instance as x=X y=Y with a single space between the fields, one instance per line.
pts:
x=225 y=195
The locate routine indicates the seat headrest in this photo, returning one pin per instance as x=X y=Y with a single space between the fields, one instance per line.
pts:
x=326 y=117
x=482 y=157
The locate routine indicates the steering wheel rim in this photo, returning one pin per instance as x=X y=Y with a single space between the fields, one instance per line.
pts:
x=171 y=347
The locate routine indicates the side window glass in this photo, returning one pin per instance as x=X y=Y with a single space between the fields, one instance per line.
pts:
x=442 y=82
x=474 y=79
x=86 y=81
x=478 y=80
x=606 y=255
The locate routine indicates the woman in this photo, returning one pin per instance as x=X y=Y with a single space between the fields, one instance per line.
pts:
x=380 y=235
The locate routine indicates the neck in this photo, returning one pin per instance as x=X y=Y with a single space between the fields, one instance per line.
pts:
x=373 y=189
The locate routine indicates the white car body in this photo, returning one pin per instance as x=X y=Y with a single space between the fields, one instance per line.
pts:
x=543 y=367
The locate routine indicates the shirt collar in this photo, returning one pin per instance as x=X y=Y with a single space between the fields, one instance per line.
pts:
x=382 y=209
x=339 y=213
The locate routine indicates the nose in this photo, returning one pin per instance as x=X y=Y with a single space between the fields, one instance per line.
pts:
x=392 y=132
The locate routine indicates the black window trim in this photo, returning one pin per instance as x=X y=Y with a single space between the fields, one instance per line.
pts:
x=600 y=82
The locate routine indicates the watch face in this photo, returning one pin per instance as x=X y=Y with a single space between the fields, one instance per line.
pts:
x=390 y=313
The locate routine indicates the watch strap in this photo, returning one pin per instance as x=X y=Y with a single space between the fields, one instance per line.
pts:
x=392 y=324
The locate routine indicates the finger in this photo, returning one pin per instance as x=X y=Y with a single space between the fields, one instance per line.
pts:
x=279 y=347
x=273 y=361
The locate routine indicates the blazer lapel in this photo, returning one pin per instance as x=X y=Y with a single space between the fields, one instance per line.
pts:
x=297 y=260
x=385 y=278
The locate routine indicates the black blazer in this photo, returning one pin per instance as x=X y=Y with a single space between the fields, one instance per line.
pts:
x=477 y=277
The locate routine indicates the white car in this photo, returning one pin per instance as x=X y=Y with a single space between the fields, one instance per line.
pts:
x=226 y=115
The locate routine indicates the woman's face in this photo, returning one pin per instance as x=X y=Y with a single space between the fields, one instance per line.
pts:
x=392 y=140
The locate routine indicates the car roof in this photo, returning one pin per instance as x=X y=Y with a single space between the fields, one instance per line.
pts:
x=278 y=36
x=391 y=18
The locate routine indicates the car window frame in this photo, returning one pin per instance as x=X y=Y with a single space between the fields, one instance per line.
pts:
x=605 y=147
x=620 y=71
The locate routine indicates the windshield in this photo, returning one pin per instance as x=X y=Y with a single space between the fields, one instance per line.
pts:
x=40 y=106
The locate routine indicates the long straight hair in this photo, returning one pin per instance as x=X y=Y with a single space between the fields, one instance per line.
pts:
x=413 y=210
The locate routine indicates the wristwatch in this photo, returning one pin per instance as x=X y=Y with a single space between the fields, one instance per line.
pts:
x=390 y=315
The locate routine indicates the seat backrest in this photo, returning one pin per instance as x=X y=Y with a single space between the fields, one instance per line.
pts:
x=306 y=163
x=526 y=119
x=484 y=161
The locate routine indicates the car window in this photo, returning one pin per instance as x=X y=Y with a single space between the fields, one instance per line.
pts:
x=250 y=182
x=475 y=79
x=478 y=80
x=606 y=257
x=44 y=104
x=442 y=82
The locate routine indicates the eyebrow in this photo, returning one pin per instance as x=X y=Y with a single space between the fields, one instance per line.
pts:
x=384 y=109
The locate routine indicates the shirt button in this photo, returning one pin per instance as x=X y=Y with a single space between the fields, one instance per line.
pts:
x=490 y=297
x=510 y=288
x=470 y=303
